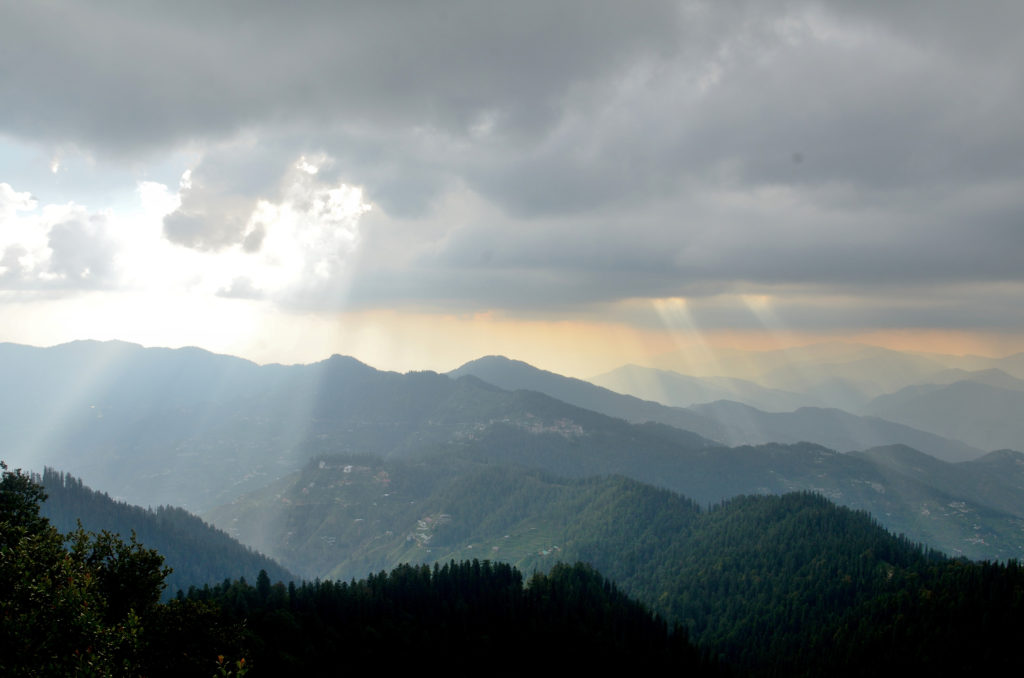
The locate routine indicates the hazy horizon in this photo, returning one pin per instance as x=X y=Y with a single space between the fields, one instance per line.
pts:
x=730 y=360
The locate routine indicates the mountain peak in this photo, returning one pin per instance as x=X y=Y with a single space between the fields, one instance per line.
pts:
x=492 y=361
x=346 y=363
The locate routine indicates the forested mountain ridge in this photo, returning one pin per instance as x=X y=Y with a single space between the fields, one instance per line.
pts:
x=88 y=604
x=926 y=501
x=196 y=552
x=466 y=618
x=775 y=586
x=343 y=516
x=766 y=581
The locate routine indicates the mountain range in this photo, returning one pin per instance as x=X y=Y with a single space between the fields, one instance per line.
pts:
x=976 y=412
x=189 y=428
x=681 y=390
x=769 y=534
x=725 y=422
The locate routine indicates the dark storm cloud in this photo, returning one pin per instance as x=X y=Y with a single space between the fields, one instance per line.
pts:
x=703 y=243
x=124 y=75
x=552 y=155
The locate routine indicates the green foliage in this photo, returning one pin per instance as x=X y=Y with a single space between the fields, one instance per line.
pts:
x=793 y=585
x=79 y=603
x=71 y=603
x=770 y=585
x=19 y=506
x=775 y=585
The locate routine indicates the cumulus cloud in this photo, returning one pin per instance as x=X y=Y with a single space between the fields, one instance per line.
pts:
x=219 y=194
x=12 y=202
x=289 y=241
x=207 y=220
x=292 y=248
x=81 y=253
x=58 y=247
x=307 y=237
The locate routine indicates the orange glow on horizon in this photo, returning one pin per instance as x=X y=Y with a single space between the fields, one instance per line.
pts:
x=403 y=341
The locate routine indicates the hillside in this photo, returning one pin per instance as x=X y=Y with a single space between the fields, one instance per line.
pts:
x=796 y=564
x=197 y=552
x=345 y=516
x=769 y=586
x=89 y=604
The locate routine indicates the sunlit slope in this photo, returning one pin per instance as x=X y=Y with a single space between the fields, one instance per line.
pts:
x=345 y=515
x=796 y=563
x=154 y=426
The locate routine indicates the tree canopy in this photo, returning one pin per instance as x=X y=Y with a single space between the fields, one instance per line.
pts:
x=81 y=603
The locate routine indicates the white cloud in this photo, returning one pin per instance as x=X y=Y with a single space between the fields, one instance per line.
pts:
x=292 y=250
x=12 y=202
x=56 y=247
x=305 y=239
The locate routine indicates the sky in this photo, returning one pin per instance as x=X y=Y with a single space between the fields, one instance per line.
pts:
x=577 y=184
